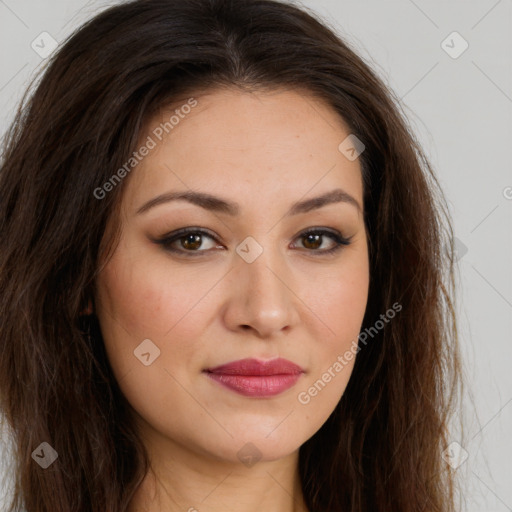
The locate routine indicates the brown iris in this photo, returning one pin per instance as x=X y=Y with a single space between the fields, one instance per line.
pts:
x=314 y=239
x=192 y=241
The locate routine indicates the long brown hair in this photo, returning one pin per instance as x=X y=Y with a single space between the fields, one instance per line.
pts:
x=380 y=450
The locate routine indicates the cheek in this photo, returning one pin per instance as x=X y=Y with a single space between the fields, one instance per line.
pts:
x=342 y=308
x=339 y=306
x=339 y=300
x=141 y=299
x=148 y=297
x=145 y=298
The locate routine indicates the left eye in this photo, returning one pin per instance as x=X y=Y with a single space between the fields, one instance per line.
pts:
x=191 y=240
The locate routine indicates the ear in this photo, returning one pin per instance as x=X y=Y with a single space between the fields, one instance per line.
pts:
x=88 y=310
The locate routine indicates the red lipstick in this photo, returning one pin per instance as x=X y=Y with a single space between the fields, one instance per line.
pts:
x=254 y=378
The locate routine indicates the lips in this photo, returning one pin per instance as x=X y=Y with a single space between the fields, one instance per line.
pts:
x=254 y=367
x=251 y=377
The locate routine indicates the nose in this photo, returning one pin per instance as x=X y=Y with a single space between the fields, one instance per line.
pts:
x=261 y=297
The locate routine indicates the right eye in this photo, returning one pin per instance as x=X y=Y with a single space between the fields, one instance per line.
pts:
x=190 y=239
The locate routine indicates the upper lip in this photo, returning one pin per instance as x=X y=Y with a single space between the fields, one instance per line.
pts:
x=257 y=367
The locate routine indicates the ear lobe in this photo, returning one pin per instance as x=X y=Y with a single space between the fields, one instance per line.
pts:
x=88 y=310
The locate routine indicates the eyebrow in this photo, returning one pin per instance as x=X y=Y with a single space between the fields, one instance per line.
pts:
x=217 y=204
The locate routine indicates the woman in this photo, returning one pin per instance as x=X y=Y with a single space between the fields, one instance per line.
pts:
x=224 y=281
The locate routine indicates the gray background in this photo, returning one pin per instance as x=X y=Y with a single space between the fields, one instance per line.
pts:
x=461 y=109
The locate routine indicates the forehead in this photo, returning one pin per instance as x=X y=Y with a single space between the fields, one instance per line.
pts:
x=240 y=144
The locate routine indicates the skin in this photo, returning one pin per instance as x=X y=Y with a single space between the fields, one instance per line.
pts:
x=264 y=151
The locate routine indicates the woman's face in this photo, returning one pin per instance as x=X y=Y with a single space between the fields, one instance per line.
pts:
x=247 y=282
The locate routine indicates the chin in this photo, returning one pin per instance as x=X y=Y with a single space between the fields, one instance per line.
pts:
x=252 y=447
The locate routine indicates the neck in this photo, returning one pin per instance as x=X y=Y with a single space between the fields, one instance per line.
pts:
x=181 y=479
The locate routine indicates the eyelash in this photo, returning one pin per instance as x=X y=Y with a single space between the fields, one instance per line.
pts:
x=167 y=240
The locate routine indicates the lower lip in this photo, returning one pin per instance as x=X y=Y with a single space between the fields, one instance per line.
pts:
x=256 y=385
